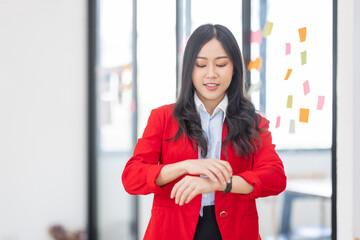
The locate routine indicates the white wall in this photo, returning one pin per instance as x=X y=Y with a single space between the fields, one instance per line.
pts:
x=357 y=120
x=43 y=117
x=156 y=72
x=348 y=120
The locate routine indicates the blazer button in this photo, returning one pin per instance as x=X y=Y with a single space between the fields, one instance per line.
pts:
x=223 y=214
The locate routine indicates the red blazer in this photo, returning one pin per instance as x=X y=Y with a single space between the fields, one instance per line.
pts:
x=236 y=214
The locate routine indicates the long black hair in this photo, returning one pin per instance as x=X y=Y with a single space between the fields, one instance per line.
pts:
x=241 y=118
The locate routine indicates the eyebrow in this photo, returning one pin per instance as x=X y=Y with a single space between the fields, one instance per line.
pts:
x=220 y=57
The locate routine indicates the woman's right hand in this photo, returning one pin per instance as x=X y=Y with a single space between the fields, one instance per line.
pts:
x=217 y=170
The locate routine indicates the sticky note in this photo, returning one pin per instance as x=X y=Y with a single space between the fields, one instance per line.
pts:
x=133 y=106
x=287 y=48
x=289 y=101
x=277 y=122
x=288 y=74
x=303 y=57
x=255 y=64
x=304 y=115
x=267 y=29
x=306 y=87
x=292 y=126
x=256 y=37
x=302 y=34
x=321 y=100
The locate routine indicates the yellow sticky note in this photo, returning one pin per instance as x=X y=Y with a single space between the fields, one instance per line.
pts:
x=289 y=101
x=304 y=115
x=267 y=29
x=288 y=74
x=303 y=57
x=302 y=34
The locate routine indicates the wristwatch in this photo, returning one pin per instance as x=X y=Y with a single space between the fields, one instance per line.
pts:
x=228 y=186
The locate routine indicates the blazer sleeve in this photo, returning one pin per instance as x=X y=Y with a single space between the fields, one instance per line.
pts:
x=267 y=174
x=143 y=168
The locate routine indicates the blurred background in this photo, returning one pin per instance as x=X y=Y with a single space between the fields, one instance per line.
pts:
x=78 y=80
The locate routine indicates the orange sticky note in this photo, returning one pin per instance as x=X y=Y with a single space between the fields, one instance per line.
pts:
x=302 y=34
x=304 y=115
x=288 y=74
x=255 y=64
x=277 y=122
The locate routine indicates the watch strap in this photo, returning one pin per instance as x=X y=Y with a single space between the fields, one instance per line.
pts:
x=228 y=186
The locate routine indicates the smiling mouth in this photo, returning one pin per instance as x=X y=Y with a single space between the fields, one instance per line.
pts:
x=211 y=85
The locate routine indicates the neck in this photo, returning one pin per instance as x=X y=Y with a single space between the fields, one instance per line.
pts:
x=211 y=105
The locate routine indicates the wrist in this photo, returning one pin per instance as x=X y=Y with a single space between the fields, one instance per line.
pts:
x=220 y=186
x=228 y=186
x=182 y=168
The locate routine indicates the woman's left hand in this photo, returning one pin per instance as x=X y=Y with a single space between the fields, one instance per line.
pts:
x=190 y=186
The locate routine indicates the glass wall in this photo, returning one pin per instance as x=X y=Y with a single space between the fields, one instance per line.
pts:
x=156 y=59
x=115 y=114
x=291 y=84
x=124 y=101
x=292 y=40
x=227 y=13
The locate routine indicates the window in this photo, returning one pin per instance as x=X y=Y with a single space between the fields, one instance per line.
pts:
x=136 y=68
x=115 y=104
x=292 y=86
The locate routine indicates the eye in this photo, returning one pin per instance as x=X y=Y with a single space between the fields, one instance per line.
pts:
x=221 y=65
x=200 y=66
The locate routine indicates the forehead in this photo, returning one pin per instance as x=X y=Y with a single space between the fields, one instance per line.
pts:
x=213 y=48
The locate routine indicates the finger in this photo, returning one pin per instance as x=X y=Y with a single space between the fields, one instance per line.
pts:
x=211 y=176
x=191 y=196
x=176 y=187
x=218 y=173
x=211 y=170
x=179 y=192
x=224 y=171
x=174 y=190
x=185 y=194
x=227 y=165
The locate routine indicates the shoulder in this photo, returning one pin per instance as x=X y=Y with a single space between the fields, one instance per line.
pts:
x=263 y=121
x=164 y=111
x=165 y=108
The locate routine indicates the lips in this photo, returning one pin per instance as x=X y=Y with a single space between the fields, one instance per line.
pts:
x=211 y=86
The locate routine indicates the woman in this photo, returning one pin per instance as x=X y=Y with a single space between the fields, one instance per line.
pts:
x=207 y=157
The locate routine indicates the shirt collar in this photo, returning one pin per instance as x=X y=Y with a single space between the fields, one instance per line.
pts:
x=221 y=106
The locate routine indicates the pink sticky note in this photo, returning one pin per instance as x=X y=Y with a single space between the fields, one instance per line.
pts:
x=321 y=100
x=288 y=49
x=277 y=122
x=306 y=87
x=133 y=106
x=256 y=37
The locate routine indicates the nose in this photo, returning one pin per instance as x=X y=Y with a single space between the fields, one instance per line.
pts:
x=211 y=72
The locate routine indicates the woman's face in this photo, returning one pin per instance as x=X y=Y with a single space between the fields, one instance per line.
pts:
x=212 y=74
